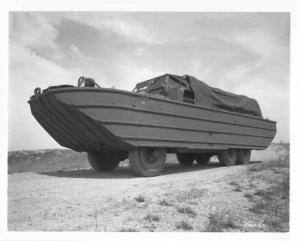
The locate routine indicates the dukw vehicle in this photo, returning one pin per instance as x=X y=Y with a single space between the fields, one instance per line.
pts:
x=166 y=114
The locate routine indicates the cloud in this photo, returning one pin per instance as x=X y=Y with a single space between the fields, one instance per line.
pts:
x=75 y=50
x=32 y=30
x=34 y=69
x=131 y=30
x=119 y=24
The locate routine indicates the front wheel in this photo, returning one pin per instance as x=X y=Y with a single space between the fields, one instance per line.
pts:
x=146 y=161
x=104 y=161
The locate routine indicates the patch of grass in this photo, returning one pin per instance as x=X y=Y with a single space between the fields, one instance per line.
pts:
x=152 y=218
x=165 y=203
x=258 y=207
x=184 y=225
x=140 y=198
x=248 y=195
x=237 y=189
x=193 y=193
x=262 y=193
x=271 y=201
x=150 y=227
x=188 y=211
x=236 y=185
x=255 y=167
x=29 y=219
x=95 y=215
x=220 y=221
x=144 y=206
x=128 y=230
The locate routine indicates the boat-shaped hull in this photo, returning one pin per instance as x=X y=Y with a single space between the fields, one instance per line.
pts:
x=97 y=119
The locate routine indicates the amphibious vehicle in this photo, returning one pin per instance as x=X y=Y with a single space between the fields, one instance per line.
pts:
x=166 y=114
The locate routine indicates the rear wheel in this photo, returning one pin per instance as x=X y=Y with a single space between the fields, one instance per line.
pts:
x=105 y=161
x=203 y=158
x=243 y=157
x=185 y=159
x=147 y=162
x=228 y=157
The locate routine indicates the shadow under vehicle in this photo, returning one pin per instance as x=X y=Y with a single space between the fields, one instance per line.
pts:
x=167 y=114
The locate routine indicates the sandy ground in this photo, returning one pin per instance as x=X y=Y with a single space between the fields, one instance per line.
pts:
x=182 y=198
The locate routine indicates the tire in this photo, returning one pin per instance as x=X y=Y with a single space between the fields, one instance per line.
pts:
x=147 y=161
x=228 y=157
x=203 y=158
x=243 y=157
x=104 y=161
x=185 y=159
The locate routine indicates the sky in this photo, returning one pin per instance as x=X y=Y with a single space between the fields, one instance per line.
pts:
x=244 y=53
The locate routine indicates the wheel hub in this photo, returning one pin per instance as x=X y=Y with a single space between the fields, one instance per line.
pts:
x=153 y=156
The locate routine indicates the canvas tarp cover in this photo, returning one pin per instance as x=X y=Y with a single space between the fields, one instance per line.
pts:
x=214 y=97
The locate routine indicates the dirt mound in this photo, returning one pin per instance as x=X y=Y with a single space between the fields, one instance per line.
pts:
x=46 y=160
x=274 y=151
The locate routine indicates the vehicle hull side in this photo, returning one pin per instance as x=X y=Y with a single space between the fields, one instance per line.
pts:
x=134 y=120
